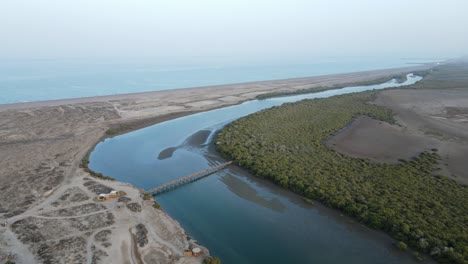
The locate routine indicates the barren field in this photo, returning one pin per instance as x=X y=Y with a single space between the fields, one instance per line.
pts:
x=379 y=141
x=432 y=115
x=48 y=212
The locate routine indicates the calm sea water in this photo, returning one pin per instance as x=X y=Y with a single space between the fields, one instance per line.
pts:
x=25 y=81
x=239 y=218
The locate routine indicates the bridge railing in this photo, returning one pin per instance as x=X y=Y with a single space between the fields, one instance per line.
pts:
x=189 y=178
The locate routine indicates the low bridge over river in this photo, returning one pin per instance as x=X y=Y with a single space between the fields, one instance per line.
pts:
x=187 y=179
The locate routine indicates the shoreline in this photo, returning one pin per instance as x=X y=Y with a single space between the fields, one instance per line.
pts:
x=133 y=125
x=99 y=98
x=52 y=136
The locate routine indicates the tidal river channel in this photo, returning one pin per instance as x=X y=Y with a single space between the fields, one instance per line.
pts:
x=240 y=218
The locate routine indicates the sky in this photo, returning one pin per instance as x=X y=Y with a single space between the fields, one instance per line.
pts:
x=184 y=29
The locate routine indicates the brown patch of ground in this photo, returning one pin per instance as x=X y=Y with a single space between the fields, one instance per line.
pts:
x=432 y=118
x=379 y=141
x=439 y=114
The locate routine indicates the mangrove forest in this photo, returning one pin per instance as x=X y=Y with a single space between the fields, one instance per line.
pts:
x=408 y=200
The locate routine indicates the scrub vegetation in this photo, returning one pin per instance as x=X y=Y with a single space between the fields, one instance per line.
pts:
x=117 y=130
x=85 y=165
x=285 y=144
x=211 y=260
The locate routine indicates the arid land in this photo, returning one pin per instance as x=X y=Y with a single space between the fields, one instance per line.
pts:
x=47 y=210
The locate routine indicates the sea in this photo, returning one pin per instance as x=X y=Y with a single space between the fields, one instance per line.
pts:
x=41 y=80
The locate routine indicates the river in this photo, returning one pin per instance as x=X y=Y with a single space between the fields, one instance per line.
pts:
x=240 y=218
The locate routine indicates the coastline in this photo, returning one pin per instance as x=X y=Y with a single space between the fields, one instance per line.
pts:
x=257 y=87
x=54 y=136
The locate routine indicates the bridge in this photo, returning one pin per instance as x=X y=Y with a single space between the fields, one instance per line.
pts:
x=187 y=179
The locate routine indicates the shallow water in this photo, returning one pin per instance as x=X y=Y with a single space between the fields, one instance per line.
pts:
x=239 y=218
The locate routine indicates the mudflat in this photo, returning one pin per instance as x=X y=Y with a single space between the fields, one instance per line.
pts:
x=439 y=118
x=431 y=115
x=48 y=211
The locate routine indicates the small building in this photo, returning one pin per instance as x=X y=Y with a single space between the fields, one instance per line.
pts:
x=107 y=196
x=196 y=252
x=102 y=197
x=188 y=253
x=113 y=194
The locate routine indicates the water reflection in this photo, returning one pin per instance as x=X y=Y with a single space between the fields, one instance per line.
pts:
x=245 y=191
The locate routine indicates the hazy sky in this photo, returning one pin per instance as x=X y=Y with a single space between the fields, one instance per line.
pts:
x=234 y=28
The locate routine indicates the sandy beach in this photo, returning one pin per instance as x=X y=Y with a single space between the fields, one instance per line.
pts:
x=48 y=212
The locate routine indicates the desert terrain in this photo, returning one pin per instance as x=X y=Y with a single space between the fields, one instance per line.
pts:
x=48 y=209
